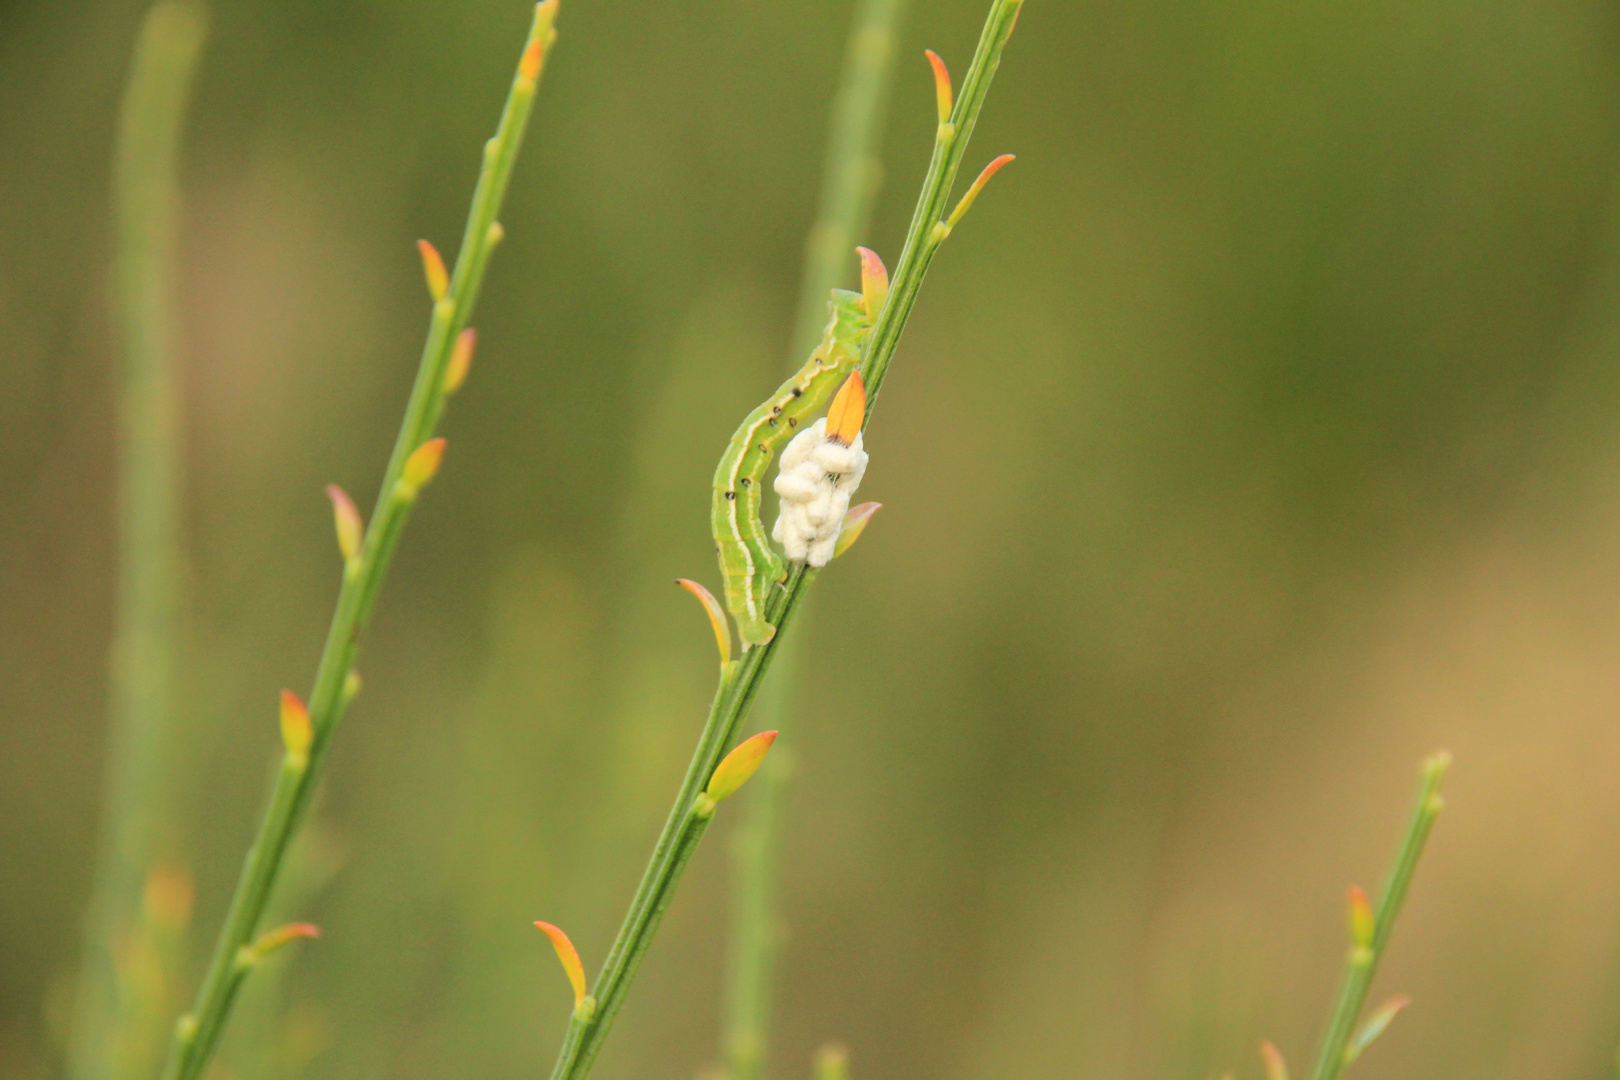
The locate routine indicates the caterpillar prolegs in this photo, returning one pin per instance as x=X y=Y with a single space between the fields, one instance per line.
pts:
x=748 y=563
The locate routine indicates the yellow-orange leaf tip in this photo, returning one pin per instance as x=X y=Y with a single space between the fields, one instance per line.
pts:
x=455 y=372
x=438 y=282
x=529 y=66
x=347 y=518
x=296 y=732
x=543 y=35
x=978 y=186
x=848 y=410
x=736 y=767
x=568 y=956
x=854 y=524
x=942 y=85
x=421 y=466
x=717 y=617
x=874 y=282
x=1276 y=1068
x=280 y=936
x=1362 y=926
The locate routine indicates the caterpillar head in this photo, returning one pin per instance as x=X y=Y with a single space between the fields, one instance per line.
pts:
x=847 y=322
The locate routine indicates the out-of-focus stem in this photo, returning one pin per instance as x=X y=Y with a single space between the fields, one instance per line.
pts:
x=142 y=672
x=850 y=180
x=853 y=171
x=197 y=1033
x=683 y=829
x=755 y=923
x=1364 y=956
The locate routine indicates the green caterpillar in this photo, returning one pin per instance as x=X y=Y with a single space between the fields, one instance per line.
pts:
x=748 y=564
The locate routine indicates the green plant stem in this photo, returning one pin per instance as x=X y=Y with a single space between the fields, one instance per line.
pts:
x=198 y=1032
x=682 y=831
x=755 y=924
x=853 y=171
x=739 y=685
x=1363 y=960
x=850 y=181
x=142 y=670
x=927 y=231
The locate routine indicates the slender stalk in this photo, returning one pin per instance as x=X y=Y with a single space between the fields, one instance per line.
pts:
x=853 y=171
x=927 y=231
x=755 y=924
x=850 y=180
x=682 y=831
x=1364 y=956
x=684 y=827
x=198 y=1032
x=142 y=670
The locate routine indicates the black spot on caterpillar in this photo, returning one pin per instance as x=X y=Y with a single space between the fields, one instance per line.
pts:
x=747 y=562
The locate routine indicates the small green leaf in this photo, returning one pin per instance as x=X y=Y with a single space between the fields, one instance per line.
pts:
x=1375 y=1026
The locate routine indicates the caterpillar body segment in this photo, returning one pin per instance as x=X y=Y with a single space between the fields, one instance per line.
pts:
x=749 y=565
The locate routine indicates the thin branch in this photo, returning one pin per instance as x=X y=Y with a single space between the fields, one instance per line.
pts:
x=687 y=821
x=413 y=461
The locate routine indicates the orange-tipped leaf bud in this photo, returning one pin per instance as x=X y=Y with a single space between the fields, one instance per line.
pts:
x=848 y=410
x=1276 y=1067
x=854 y=524
x=736 y=767
x=1363 y=927
x=296 y=731
x=438 y=281
x=874 y=282
x=278 y=938
x=568 y=956
x=422 y=465
x=350 y=529
x=978 y=186
x=942 y=85
x=529 y=66
x=534 y=54
x=461 y=356
x=717 y=617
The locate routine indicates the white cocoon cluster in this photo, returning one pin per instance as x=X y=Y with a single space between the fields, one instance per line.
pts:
x=817 y=478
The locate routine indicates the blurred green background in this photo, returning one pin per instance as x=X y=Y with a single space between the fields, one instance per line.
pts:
x=1258 y=433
